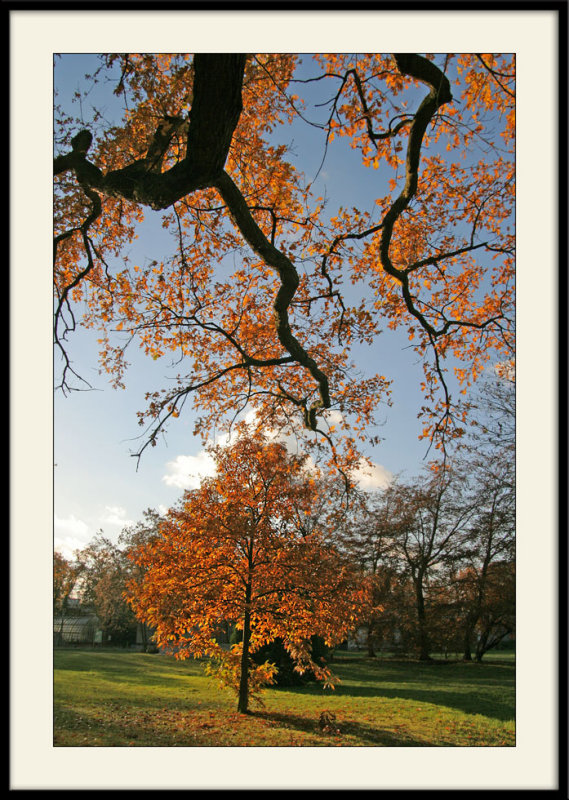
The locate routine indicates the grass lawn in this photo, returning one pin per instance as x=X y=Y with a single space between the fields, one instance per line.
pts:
x=124 y=699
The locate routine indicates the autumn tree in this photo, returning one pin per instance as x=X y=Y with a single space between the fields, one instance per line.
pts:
x=131 y=539
x=237 y=550
x=492 y=548
x=367 y=537
x=498 y=612
x=458 y=604
x=104 y=573
x=66 y=574
x=258 y=301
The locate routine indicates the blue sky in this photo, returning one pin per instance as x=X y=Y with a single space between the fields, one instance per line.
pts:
x=97 y=483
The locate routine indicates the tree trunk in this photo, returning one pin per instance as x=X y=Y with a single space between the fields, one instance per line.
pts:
x=467 y=642
x=243 y=702
x=481 y=646
x=370 y=642
x=424 y=643
x=144 y=637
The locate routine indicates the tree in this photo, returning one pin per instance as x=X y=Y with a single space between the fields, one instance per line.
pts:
x=430 y=535
x=104 y=572
x=488 y=461
x=64 y=580
x=205 y=140
x=236 y=550
x=498 y=616
x=368 y=539
x=492 y=543
x=65 y=577
x=130 y=540
x=116 y=617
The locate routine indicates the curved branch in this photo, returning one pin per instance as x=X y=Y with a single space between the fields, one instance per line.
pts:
x=215 y=112
x=423 y=70
x=83 y=229
x=497 y=75
x=288 y=275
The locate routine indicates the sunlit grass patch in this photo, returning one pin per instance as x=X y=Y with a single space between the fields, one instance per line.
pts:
x=122 y=699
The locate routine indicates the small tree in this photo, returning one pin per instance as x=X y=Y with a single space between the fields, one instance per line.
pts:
x=238 y=550
x=104 y=572
x=65 y=576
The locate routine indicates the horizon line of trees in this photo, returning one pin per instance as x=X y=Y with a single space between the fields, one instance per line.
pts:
x=433 y=556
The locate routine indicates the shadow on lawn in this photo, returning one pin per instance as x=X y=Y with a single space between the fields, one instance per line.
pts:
x=372 y=736
x=470 y=688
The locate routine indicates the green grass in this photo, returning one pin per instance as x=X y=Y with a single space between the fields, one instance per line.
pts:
x=124 y=699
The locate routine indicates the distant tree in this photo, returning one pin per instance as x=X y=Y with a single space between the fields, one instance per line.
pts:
x=130 y=540
x=492 y=545
x=488 y=459
x=497 y=619
x=493 y=413
x=237 y=550
x=431 y=523
x=115 y=615
x=104 y=572
x=96 y=558
x=66 y=575
x=368 y=536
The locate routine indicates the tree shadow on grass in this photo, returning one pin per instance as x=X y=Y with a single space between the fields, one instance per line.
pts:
x=471 y=689
x=370 y=735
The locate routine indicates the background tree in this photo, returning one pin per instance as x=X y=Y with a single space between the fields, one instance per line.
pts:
x=66 y=575
x=492 y=543
x=104 y=573
x=206 y=140
x=236 y=551
x=368 y=534
x=116 y=617
x=497 y=619
x=430 y=533
x=488 y=459
x=130 y=540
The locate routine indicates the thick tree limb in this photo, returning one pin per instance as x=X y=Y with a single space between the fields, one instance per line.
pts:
x=288 y=275
x=215 y=112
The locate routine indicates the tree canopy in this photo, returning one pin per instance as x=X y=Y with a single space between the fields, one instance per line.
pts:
x=252 y=300
x=243 y=550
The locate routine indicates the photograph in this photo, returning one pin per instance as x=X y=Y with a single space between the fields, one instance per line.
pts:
x=292 y=499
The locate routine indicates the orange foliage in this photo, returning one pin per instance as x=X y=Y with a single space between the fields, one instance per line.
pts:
x=436 y=254
x=241 y=550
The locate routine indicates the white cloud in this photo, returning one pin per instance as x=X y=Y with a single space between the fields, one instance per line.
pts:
x=333 y=416
x=372 y=476
x=71 y=527
x=115 y=515
x=70 y=534
x=186 y=472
